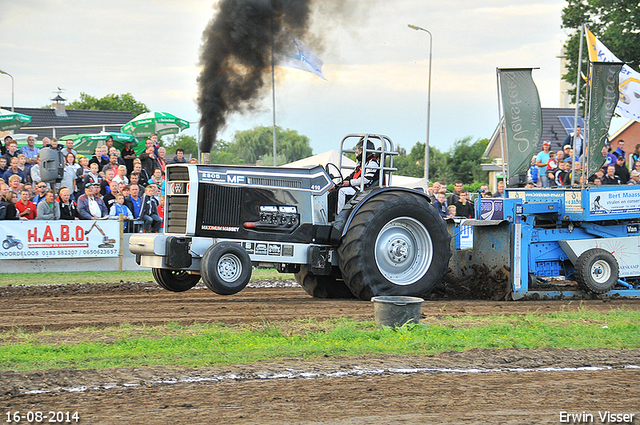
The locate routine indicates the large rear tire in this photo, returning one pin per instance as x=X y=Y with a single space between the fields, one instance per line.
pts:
x=225 y=268
x=175 y=280
x=331 y=286
x=597 y=270
x=397 y=244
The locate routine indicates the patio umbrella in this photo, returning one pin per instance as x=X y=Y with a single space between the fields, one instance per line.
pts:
x=12 y=120
x=160 y=123
x=86 y=143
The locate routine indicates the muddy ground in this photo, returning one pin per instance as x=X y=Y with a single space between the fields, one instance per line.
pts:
x=478 y=386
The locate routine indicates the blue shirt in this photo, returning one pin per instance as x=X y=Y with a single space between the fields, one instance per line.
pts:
x=136 y=206
x=31 y=153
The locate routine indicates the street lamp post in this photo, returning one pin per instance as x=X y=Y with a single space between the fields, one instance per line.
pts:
x=426 y=148
x=12 y=87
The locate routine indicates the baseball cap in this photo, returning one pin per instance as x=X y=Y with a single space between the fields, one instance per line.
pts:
x=566 y=147
x=546 y=142
x=89 y=184
x=635 y=173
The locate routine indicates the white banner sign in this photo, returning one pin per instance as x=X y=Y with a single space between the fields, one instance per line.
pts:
x=59 y=239
x=617 y=201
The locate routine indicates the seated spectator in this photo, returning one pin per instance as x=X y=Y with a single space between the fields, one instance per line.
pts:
x=68 y=208
x=26 y=208
x=11 y=213
x=158 y=179
x=161 y=209
x=121 y=176
x=114 y=150
x=458 y=187
x=105 y=185
x=161 y=160
x=452 y=211
x=110 y=198
x=143 y=176
x=635 y=178
x=112 y=164
x=14 y=170
x=149 y=211
x=179 y=158
x=3 y=165
x=48 y=208
x=91 y=206
x=15 y=184
x=500 y=191
x=12 y=150
x=98 y=159
x=92 y=176
x=41 y=189
x=120 y=208
x=485 y=192
x=621 y=170
x=128 y=155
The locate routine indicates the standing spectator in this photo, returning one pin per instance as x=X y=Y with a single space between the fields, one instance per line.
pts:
x=133 y=201
x=149 y=211
x=35 y=172
x=567 y=151
x=128 y=155
x=552 y=165
x=15 y=184
x=158 y=179
x=149 y=161
x=90 y=206
x=12 y=150
x=161 y=160
x=458 y=187
x=48 y=208
x=3 y=148
x=112 y=165
x=40 y=191
x=120 y=208
x=13 y=169
x=22 y=165
x=500 y=192
x=620 y=150
x=26 y=208
x=82 y=170
x=114 y=150
x=634 y=158
x=142 y=173
x=109 y=144
x=3 y=165
x=611 y=177
x=55 y=145
x=575 y=140
x=542 y=160
x=441 y=204
x=464 y=207
x=92 y=176
x=105 y=185
x=99 y=159
x=610 y=157
x=179 y=158
x=532 y=173
x=31 y=152
x=46 y=142
x=69 y=176
x=110 y=198
x=485 y=192
x=621 y=170
x=68 y=208
x=10 y=201
x=161 y=210
x=635 y=178
x=134 y=178
x=69 y=149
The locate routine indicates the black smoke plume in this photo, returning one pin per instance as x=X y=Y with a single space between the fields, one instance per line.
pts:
x=236 y=56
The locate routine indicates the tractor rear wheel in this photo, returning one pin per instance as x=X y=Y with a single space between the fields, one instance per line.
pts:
x=175 y=280
x=397 y=244
x=225 y=268
x=597 y=270
x=331 y=286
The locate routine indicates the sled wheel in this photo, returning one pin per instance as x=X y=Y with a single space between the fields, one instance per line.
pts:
x=397 y=244
x=331 y=286
x=175 y=280
x=597 y=270
x=5 y=244
x=225 y=268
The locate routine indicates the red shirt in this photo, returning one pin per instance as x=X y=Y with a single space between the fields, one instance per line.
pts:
x=22 y=207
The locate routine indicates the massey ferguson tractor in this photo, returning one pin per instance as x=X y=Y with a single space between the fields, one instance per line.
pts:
x=223 y=220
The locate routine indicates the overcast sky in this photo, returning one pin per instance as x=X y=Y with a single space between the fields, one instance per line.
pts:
x=375 y=66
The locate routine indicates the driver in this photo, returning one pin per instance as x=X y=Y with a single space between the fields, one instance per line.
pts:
x=351 y=184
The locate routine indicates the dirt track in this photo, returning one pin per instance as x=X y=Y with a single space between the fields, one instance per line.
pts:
x=336 y=390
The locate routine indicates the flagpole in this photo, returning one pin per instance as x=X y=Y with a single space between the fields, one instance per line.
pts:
x=273 y=97
x=502 y=145
x=575 y=116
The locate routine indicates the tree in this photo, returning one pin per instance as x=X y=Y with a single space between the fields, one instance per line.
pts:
x=615 y=23
x=110 y=102
x=257 y=144
x=188 y=143
x=465 y=160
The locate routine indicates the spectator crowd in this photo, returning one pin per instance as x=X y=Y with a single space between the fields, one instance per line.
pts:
x=110 y=184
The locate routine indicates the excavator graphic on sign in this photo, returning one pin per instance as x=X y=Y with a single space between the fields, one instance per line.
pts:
x=106 y=241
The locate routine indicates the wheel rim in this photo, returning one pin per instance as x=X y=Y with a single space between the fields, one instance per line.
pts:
x=600 y=271
x=179 y=274
x=403 y=251
x=229 y=268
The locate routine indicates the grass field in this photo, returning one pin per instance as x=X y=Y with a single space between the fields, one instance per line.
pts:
x=211 y=344
x=106 y=277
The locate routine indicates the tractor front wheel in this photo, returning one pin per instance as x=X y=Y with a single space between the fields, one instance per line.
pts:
x=175 y=280
x=225 y=268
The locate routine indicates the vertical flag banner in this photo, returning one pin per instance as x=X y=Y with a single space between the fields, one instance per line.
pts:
x=602 y=103
x=629 y=80
x=522 y=117
x=296 y=55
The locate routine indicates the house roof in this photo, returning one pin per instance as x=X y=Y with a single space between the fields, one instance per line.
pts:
x=552 y=130
x=77 y=119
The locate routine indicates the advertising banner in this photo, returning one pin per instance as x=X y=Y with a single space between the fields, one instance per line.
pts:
x=35 y=239
x=522 y=117
x=614 y=202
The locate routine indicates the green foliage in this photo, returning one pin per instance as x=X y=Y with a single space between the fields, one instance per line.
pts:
x=255 y=144
x=615 y=23
x=186 y=142
x=206 y=344
x=110 y=102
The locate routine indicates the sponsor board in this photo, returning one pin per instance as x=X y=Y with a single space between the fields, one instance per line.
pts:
x=618 y=201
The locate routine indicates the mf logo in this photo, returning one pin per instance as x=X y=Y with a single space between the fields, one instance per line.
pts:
x=236 y=179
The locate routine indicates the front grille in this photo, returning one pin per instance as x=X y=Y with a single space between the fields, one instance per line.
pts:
x=266 y=181
x=178 y=173
x=220 y=205
x=177 y=209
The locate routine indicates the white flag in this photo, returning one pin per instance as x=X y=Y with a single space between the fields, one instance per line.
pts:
x=629 y=103
x=297 y=55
